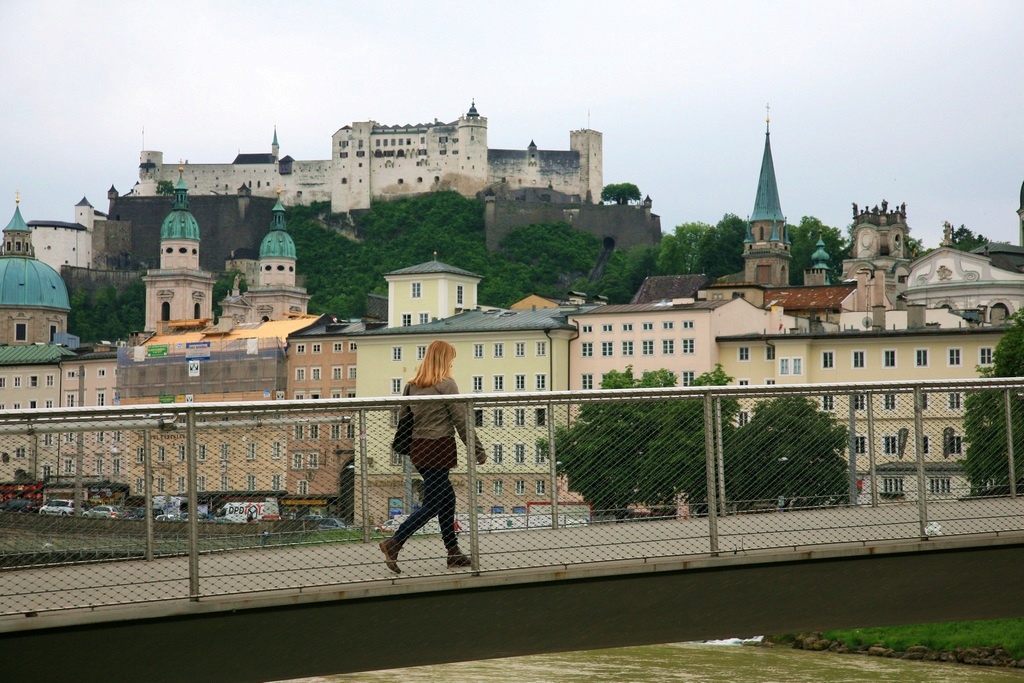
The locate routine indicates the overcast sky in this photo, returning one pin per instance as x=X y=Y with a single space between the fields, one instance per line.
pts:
x=915 y=102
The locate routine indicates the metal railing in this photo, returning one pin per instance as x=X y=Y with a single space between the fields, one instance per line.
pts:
x=186 y=500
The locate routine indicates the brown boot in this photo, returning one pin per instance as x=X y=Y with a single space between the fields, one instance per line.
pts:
x=390 y=550
x=457 y=559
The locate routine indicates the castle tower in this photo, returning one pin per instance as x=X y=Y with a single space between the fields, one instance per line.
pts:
x=766 y=247
x=473 y=146
x=589 y=145
x=180 y=291
x=879 y=248
x=274 y=148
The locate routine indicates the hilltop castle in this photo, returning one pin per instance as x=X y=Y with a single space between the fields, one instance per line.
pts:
x=371 y=161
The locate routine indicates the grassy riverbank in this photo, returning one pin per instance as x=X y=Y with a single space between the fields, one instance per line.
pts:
x=1007 y=633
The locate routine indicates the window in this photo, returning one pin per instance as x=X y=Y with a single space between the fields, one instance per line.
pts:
x=742 y=418
x=315 y=374
x=828 y=403
x=478 y=350
x=300 y=374
x=520 y=349
x=984 y=355
x=161 y=454
x=668 y=347
x=424 y=318
x=541 y=415
x=939 y=485
x=687 y=377
x=250 y=482
x=396 y=353
x=396 y=385
x=783 y=366
x=889 y=402
x=479 y=488
x=627 y=327
x=316 y=348
x=860 y=445
x=687 y=324
x=743 y=353
x=337 y=373
x=339 y=347
x=540 y=382
x=520 y=382
x=303 y=487
x=520 y=450
x=498 y=383
x=798 y=366
x=689 y=346
x=588 y=329
x=889 y=358
x=181 y=452
x=407 y=320
x=667 y=325
x=17 y=382
x=223 y=451
x=275 y=482
x=417 y=290
x=954 y=358
x=224 y=482
x=606 y=327
x=892 y=485
x=459 y=292
x=647 y=327
x=769 y=353
x=921 y=358
x=858 y=359
x=520 y=417
x=607 y=348
x=313 y=461
x=478 y=383
x=478 y=417
x=520 y=487
x=647 y=347
x=498 y=454
x=353 y=346
x=542 y=349
x=889 y=444
x=300 y=348
x=421 y=351
x=925 y=444
x=352 y=372
x=587 y=381
x=587 y=349
x=627 y=348
x=296 y=461
x=499 y=350
x=858 y=401
x=499 y=487
x=955 y=400
x=300 y=432
x=140 y=454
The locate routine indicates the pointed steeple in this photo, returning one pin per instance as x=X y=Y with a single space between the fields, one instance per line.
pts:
x=274 y=143
x=766 y=203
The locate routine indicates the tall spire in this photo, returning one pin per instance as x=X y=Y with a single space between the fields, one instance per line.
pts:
x=766 y=203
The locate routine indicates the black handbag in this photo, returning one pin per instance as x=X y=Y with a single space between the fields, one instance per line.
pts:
x=403 y=434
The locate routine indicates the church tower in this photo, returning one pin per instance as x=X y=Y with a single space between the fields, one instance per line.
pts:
x=179 y=294
x=766 y=247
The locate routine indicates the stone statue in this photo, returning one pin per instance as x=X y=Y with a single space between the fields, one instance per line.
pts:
x=855 y=209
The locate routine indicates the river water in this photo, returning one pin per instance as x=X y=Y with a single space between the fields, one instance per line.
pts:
x=688 y=663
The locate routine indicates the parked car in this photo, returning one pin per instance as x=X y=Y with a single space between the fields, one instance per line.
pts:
x=19 y=505
x=330 y=524
x=105 y=511
x=58 y=506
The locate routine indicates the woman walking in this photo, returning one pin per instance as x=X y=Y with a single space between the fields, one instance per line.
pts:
x=433 y=453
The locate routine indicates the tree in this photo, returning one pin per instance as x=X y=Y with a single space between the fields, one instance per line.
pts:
x=722 y=248
x=964 y=239
x=165 y=187
x=620 y=193
x=805 y=242
x=618 y=454
x=985 y=461
x=681 y=252
x=789 y=449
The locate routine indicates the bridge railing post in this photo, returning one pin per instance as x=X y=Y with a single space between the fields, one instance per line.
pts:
x=147 y=452
x=193 y=505
x=709 y=469
x=851 y=488
x=1009 y=444
x=474 y=519
x=922 y=491
x=869 y=399
x=553 y=463
x=364 y=484
x=721 y=456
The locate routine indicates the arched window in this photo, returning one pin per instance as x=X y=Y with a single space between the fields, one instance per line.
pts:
x=165 y=310
x=195 y=311
x=999 y=314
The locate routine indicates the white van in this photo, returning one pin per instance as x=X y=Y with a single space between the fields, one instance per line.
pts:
x=249 y=511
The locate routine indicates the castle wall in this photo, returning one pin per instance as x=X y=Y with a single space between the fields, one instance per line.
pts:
x=58 y=246
x=91 y=279
x=626 y=226
x=309 y=181
x=111 y=244
x=225 y=224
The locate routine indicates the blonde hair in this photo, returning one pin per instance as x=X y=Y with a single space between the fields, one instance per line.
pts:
x=436 y=366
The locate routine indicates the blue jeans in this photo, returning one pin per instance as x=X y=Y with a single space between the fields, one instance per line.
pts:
x=438 y=501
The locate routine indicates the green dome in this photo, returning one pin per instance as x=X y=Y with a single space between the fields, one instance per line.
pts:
x=820 y=257
x=278 y=243
x=31 y=283
x=180 y=224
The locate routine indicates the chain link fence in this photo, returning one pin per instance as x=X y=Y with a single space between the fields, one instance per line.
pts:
x=119 y=505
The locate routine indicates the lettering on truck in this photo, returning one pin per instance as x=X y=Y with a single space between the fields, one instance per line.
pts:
x=249 y=512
